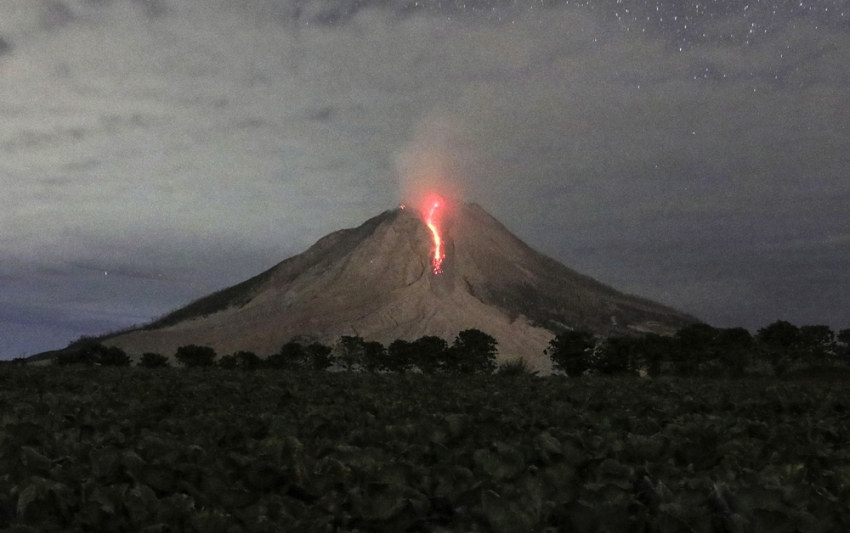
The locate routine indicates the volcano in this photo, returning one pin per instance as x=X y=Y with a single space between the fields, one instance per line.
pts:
x=382 y=281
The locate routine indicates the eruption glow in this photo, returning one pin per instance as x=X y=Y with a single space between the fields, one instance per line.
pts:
x=433 y=205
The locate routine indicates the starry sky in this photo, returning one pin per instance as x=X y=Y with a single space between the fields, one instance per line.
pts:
x=152 y=151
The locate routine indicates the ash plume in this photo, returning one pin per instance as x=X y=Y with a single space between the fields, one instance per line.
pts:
x=441 y=159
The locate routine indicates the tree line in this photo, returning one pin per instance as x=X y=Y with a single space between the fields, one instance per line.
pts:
x=695 y=350
x=472 y=351
x=702 y=350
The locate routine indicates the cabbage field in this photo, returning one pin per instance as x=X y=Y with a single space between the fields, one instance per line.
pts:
x=212 y=450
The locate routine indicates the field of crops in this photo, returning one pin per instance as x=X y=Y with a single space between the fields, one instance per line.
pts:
x=129 y=449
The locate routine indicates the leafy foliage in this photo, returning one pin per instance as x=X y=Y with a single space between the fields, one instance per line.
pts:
x=781 y=334
x=427 y=353
x=702 y=350
x=110 y=356
x=785 y=345
x=401 y=355
x=228 y=361
x=570 y=352
x=473 y=351
x=94 y=354
x=319 y=356
x=735 y=346
x=246 y=360
x=79 y=357
x=291 y=355
x=82 y=450
x=374 y=356
x=350 y=352
x=779 y=340
x=192 y=356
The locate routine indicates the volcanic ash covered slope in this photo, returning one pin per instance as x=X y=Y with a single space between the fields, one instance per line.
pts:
x=377 y=281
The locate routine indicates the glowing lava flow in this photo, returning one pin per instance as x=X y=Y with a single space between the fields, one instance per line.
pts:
x=431 y=220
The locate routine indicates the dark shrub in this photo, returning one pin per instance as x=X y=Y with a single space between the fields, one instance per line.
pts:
x=655 y=352
x=617 y=355
x=95 y=354
x=193 y=355
x=246 y=360
x=110 y=356
x=228 y=361
x=735 y=346
x=570 y=352
x=79 y=357
x=291 y=355
x=778 y=341
x=516 y=367
x=153 y=360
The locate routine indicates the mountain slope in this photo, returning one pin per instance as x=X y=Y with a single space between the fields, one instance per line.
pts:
x=376 y=281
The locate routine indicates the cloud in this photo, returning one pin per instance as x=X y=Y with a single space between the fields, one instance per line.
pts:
x=177 y=110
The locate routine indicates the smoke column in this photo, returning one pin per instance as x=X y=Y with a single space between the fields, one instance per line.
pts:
x=437 y=161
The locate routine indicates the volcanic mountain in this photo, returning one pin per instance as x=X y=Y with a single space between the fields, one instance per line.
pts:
x=380 y=281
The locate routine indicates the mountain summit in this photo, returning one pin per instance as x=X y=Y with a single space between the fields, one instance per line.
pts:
x=379 y=281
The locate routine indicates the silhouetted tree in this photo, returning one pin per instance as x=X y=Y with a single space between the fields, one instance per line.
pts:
x=734 y=348
x=243 y=360
x=428 y=353
x=228 y=362
x=779 y=333
x=400 y=355
x=247 y=360
x=374 y=356
x=817 y=344
x=473 y=351
x=319 y=356
x=291 y=355
x=570 y=352
x=617 y=355
x=153 y=360
x=109 y=356
x=276 y=361
x=844 y=351
x=350 y=352
x=695 y=351
x=449 y=361
x=778 y=341
x=655 y=353
x=95 y=354
x=192 y=356
x=78 y=357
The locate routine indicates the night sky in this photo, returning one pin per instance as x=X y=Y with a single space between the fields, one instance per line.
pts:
x=153 y=151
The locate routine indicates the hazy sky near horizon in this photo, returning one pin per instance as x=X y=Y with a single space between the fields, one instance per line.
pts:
x=152 y=151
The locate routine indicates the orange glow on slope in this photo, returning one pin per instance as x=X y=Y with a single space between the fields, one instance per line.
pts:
x=433 y=205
